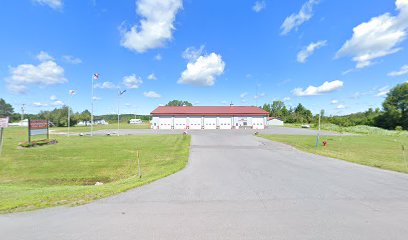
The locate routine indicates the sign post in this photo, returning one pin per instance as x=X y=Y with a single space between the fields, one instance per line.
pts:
x=37 y=127
x=3 y=125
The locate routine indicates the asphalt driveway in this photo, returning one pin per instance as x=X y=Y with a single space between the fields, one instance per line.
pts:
x=237 y=186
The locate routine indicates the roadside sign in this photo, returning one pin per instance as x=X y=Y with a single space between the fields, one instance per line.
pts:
x=37 y=127
x=4 y=122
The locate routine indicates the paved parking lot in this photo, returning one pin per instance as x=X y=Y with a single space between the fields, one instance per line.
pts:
x=237 y=186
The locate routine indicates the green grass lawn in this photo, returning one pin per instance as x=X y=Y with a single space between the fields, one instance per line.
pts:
x=371 y=150
x=66 y=173
x=78 y=129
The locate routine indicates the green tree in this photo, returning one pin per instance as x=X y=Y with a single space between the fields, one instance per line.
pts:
x=85 y=116
x=6 y=110
x=395 y=108
x=276 y=109
x=179 y=103
x=302 y=114
x=267 y=107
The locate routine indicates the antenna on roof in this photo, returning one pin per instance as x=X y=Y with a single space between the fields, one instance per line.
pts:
x=231 y=104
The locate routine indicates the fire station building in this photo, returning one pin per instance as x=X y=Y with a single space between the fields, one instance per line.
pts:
x=208 y=117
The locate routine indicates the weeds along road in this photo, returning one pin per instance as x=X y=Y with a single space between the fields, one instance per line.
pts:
x=237 y=186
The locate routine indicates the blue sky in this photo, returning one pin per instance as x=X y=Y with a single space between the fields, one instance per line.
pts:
x=329 y=55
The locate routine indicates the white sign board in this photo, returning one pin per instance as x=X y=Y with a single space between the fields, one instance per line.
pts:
x=4 y=122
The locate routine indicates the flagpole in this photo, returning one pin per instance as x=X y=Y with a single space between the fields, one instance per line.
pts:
x=118 y=109
x=69 y=112
x=92 y=105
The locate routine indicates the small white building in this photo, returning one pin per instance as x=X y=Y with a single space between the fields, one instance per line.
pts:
x=274 y=122
x=208 y=117
x=96 y=122
x=135 y=121
x=22 y=123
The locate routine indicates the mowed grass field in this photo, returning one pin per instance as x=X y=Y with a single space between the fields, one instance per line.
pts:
x=66 y=173
x=384 y=152
x=113 y=126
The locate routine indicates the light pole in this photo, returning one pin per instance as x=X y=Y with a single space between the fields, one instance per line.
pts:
x=119 y=94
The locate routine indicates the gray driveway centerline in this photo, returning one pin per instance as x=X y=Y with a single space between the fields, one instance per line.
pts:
x=237 y=186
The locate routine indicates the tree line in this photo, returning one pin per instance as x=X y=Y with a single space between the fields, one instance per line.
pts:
x=393 y=115
x=59 y=116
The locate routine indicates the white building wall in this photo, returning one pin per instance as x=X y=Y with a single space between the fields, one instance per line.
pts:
x=180 y=123
x=194 y=122
x=258 y=122
x=225 y=122
x=208 y=122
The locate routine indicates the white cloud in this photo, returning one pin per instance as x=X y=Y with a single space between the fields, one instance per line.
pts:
x=243 y=95
x=151 y=94
x=57 y=103
x=192 y=54
x=71 y=59
x=132 y=81
x=39 y=104
x=309 y=50
x=378 y=37
x=152 y=77
x=53 y=98
x=224 y=102
x=48 y=72
x=334 y=101
x=259 y=6
x=54 y=4
x=156 y=25
x=403 y=70
x=383 y=91
x=97 y=98
x=295 y=20
x=158 y=57
x=261 y=95
x=324 y=88
x=340 y=106
x=286 y=99
x=201 y=70
x=105 y=85
x=44 y=56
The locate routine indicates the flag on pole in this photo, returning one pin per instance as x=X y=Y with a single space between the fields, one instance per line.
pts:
x=122 y=92
x=72 y=92
x=95 y=76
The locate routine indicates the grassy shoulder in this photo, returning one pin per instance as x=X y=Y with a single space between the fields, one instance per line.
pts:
x=372 y=150
x=78 y=129
x=66 y=173
x=359 y=129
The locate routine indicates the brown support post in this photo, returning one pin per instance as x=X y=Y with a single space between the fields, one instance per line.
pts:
x=48 y=129
x=29 y=135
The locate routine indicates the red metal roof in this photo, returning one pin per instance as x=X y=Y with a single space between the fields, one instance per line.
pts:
x=209 y=111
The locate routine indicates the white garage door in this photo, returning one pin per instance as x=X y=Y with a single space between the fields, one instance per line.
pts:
x=225 y=122
x=258 y=123
x=210 y=123
x=180 y=122
x=195 y=123
x=165 y=122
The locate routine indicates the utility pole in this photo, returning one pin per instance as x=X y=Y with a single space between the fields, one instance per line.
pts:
x=318 y=133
